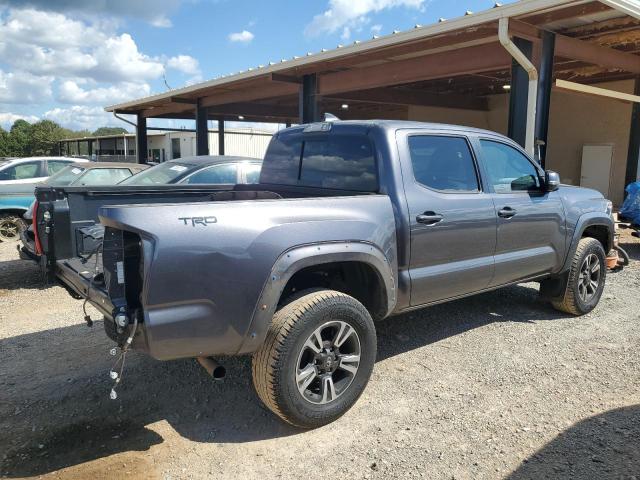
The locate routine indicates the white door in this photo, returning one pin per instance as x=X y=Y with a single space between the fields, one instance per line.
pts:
x=596 y=167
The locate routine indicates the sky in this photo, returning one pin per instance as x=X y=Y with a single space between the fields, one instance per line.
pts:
x=65 y=60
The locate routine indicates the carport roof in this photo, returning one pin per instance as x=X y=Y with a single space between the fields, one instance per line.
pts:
x=452 y=59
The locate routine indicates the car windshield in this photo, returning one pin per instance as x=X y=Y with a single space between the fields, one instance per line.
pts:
x=160 y=174
x=66 y=176
x=103 y=176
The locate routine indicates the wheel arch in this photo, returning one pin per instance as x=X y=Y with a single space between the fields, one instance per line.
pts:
x=595 y=225
x=295 y=262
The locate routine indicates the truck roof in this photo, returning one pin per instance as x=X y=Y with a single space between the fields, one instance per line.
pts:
x=400 y=124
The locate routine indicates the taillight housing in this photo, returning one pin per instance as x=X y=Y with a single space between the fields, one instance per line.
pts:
x=34 y=222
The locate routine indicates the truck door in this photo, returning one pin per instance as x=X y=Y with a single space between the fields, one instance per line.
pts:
x=452 y=220
x=531 y=228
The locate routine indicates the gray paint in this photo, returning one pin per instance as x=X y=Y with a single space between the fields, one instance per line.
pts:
x=211 y=290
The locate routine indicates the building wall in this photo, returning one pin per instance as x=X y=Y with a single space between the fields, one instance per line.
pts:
x=241 y=144
x=575 y=120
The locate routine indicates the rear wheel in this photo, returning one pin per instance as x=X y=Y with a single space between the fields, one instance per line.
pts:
x=586 y=279
x=317 y=358
x=10 y=227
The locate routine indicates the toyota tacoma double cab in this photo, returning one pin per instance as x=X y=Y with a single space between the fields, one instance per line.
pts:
x=351 y=222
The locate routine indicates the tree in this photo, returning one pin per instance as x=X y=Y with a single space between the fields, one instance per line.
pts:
x=102 y=131
x=4 y=143
x=20 y=139
x=45 y=136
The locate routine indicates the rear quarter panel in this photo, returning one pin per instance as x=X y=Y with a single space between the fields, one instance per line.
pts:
x=202 y=282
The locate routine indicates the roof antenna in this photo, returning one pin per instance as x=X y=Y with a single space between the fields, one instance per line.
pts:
x=330 y=117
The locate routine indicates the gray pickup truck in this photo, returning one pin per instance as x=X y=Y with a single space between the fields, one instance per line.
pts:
x=351 y=222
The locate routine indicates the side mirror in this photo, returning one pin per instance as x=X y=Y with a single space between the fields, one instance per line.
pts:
x=551 y=181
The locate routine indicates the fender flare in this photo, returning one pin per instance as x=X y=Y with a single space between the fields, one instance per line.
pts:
x=588 y=220
x=295 y=259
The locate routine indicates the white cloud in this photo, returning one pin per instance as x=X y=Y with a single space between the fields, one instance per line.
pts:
x=155 y=12
x=185 y=64
x=81 y=117
x=376 y=29
x=7 y=119
x=71 y=92
x=244 y=36
x=22 y=87
x=349 y=13
x=51 y=44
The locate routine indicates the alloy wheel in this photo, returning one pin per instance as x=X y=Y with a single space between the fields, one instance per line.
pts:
x=589 y=278
x=328 y=362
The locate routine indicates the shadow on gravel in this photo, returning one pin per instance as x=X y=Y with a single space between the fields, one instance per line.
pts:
x=17 y=274
x=518 y=303
x=55 y=387
x=604 y=446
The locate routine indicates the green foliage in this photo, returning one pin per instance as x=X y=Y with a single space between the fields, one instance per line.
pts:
x=102 y=131
x=41 y=138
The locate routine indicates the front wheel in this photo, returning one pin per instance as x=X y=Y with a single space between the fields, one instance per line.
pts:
x=317 y=358
x=586 y=278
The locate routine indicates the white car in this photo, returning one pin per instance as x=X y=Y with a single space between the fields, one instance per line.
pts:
x=32 y=169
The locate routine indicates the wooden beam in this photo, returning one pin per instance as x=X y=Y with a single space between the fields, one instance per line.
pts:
x=566 y=13
x=173 y=108
x=253 y=109
x=476 y=59
x=189 y=101
x=261 y=90
x=396 y=96
x=573 y=87
x=279 y=77
x=567 y=47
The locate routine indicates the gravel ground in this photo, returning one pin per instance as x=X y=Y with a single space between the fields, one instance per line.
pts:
x=493 y=386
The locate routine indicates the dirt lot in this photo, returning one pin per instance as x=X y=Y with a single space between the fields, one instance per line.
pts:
x=493 y=386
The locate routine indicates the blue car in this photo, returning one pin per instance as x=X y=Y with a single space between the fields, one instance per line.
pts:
x=18 y=178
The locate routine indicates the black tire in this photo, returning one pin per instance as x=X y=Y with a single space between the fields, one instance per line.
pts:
x=276 y=365
x=574 y=301
x=10 y=227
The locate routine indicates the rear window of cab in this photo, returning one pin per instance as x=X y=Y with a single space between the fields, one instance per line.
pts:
x=335 y=161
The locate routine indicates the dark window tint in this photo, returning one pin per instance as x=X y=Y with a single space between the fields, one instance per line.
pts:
x=343 y=162
x=282 y=160
x=443 y=163
x=218 y=174
x=508 y=169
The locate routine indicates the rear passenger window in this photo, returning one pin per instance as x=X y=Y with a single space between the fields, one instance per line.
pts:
x=342 y=162
x=443 y=163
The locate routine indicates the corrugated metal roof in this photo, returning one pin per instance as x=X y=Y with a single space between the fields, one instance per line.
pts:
x=469 y=20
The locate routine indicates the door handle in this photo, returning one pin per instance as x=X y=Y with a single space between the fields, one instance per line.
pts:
x=429 y=218
x=507 y=212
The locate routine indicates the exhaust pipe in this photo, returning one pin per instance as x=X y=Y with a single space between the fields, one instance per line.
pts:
x=213 y=368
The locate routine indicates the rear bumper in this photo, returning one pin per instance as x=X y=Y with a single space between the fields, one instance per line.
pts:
x=78 y=277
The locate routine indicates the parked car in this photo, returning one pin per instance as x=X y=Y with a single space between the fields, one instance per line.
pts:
x=70 y=232
x=81 y=174
x=201 y=170
x=18 y=178
x=351 y=222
